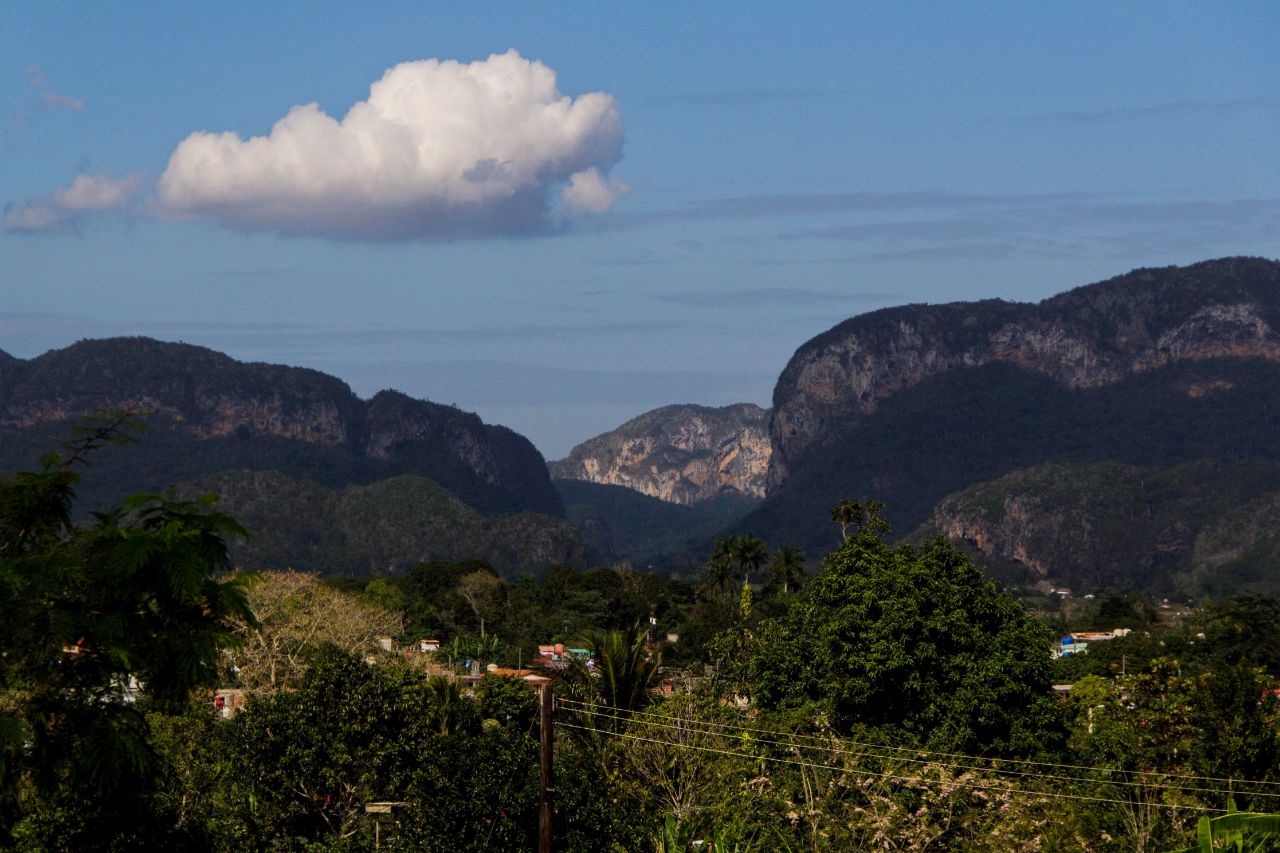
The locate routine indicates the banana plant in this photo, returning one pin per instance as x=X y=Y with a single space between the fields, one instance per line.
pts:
x=1243 y=832
x=677 y=838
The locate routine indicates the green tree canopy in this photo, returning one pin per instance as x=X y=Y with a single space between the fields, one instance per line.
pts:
x=1244 y=630
x=100 y=619
x=914 y=640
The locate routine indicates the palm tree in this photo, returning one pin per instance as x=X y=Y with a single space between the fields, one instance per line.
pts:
x=787 y=567
x=720 y=564
x=628 y=673
x=749 y=553
x=622 y=677
x=446 y=703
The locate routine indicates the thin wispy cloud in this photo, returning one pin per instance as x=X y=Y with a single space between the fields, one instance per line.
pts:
x=38 y=80
x=384 y=339
x=632 y=258
x=265 y=273
x=785 y=205
x=67 y=207
x=1169 y=110
x=315 y=345
x=745 y=97
x=689 y=245
x=767 y=297
x=1064 y=229
x=45 y=98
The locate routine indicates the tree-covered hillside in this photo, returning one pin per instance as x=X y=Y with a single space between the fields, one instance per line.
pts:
x=1196 y=529
x=152 y=700
x=384 y=527
x=967 y=426
x=211 y=413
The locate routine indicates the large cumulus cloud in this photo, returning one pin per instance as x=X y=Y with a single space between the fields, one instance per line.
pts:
x=439 y=150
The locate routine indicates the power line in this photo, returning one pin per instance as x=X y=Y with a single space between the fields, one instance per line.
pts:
x=893 y=776
x=692 y=726
x=966 y=757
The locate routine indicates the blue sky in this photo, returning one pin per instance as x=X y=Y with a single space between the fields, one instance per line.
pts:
x=752 y=174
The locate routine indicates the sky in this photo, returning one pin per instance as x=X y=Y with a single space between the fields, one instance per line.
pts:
x=562 y=215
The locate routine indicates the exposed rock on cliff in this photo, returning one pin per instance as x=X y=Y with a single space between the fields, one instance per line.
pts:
x=211 y=412
x=398 y=427
x=909 y=405
x=1195 y=528
x=1085 y=338
x=683 y=454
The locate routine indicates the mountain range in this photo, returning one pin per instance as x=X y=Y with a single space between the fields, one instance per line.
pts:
x=914 y=405
x=1122 y=433
x=293 y=450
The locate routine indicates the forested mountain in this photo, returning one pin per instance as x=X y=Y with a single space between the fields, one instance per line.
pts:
x=1153 y=370
x=684 y=454
x=385 y=527
x=972 y=425
x=908 y=405
x=1090 y=337
x=1206 y=528
x=208 y=412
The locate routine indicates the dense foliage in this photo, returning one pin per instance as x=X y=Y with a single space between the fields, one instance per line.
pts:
x=915 y=641
x=100 y=619
x=971 y=425
x=384 y=527
x=1196 y=529
x=895 y=700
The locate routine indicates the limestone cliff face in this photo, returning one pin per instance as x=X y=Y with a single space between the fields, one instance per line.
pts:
x=1085 y=338
x=683 y=454
x=1014 y=532
x=203 y=395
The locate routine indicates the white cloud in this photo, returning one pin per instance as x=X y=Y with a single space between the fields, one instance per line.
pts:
x=439 y=150
x=67 y=206
x=590 y=192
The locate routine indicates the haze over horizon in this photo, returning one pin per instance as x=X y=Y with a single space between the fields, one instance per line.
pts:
x=560 y=220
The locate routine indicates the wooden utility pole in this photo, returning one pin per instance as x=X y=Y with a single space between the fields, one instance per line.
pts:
x=546 y=781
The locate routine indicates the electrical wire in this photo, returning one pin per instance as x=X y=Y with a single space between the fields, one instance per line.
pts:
x=692 y=726
x=892 y=776
x=963 y=756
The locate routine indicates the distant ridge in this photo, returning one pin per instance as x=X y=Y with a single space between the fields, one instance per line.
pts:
x=212 y=413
